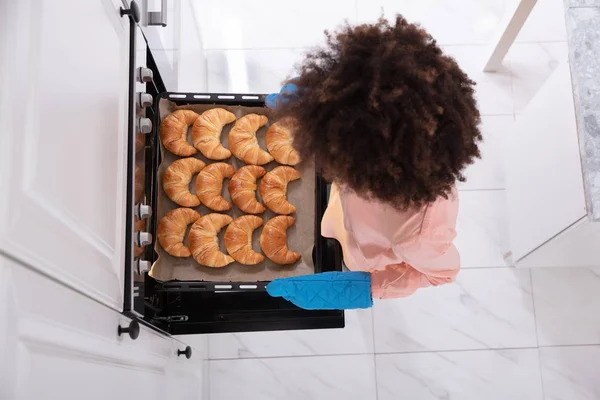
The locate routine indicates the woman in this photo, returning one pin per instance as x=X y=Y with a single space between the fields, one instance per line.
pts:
x=392 y=122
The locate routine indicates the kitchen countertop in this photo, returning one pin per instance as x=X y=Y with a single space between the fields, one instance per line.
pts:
x=583 y=36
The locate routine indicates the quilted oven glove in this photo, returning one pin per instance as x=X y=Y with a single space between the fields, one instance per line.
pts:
x=287 y=92
x=325 y=291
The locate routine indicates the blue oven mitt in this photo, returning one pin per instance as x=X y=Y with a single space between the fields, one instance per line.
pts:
x=325 y=291
x=287 y=92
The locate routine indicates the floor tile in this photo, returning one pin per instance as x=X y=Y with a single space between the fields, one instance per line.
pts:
x=355 y=338
x=168 y=60
x=449 y=22
x=531 y=66
x=546 y=22
x=567 y=304
x=464 y=375
x=571 y=373
x=482 y=237
x=488 y=171
x=296 y=378
x=493 y=90
x=192 y=68
x=250 y=71
x=484 y=308
x=270 y=23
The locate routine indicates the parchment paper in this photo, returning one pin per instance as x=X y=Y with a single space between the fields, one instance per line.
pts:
x=301 y=237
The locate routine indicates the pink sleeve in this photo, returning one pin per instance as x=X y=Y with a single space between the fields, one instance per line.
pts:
x=401 y=280
x=430 y=259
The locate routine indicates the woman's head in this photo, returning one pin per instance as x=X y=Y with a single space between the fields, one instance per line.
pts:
x=385 y=113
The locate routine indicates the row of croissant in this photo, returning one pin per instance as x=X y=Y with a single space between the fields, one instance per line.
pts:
x=242 y=142
x=242 y=186
x=204 y=244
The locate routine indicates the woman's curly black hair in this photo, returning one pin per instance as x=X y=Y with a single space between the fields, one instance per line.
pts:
x=385 y=113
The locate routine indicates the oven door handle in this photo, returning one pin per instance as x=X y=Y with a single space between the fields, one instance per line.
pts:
x=158 y=18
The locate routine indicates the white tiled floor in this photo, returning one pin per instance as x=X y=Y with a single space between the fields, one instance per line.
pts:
x=487 y=308
x=488 y=172
x=465 y=375
x=498 y=332
x=481 y=226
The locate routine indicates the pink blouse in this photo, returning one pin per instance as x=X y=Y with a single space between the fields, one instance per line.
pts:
x=403 y=250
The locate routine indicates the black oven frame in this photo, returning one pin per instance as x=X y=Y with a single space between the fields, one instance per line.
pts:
x=192 y=307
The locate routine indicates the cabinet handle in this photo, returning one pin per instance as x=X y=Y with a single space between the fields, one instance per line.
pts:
x=133 y=11
x=133 y=329
x=187 y=352
x=158 y=17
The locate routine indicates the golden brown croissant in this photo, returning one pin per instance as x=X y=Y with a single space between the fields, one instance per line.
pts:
x=238 y=239
x=171 y=230
x=242 y=189
x=206 y=133
x=243 y=143
x=204 y=243
x=173 y=132
x=273 y=189
x=177 y=178
x=273 y=240
x=138 y=184
x=279 y=143
x=209 y=185
x=138 y=225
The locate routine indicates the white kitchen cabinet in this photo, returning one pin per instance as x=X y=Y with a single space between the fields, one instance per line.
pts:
x=547 y=218
x=63 y=130
x=187 y=378
x=57 y=344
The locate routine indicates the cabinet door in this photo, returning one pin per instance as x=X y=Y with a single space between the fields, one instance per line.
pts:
x=63 y=131
x=187 y=378
x=58 y=344
x=544 y=183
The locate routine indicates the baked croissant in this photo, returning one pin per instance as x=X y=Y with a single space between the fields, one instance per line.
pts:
x=242 y=189
x=273 y=240
x=171 y=230
x=238 y=239
x=209 y=185
x=279 y=143
x=243 y=143
x=204 y=243
x=273 y=189
x=138 y=225
x=177 y=178
x=138 y=184
x=173 y=132
x=206 y=133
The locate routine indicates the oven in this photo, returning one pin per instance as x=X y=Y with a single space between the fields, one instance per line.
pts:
x=191 y=307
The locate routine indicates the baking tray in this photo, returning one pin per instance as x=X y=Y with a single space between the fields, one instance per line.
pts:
x=188 y=307
x=300 y=193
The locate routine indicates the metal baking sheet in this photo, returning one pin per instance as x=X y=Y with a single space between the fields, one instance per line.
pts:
x=301 y=237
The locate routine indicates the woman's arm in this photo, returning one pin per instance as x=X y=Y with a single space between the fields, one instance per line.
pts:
x=401 y=280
